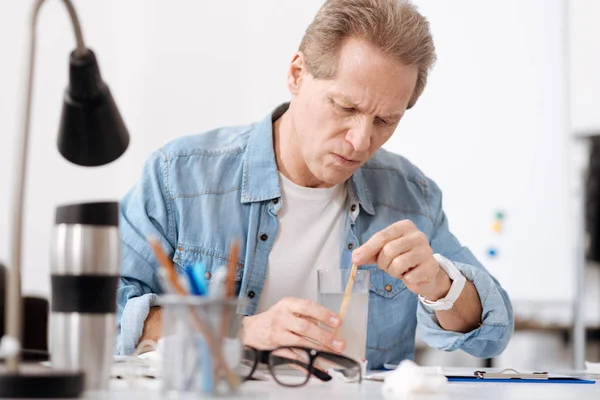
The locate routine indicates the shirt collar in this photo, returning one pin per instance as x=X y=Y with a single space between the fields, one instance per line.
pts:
x=261 y=178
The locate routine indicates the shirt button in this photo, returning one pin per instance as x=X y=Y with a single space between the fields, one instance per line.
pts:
x=388 y=288
x=264 y=237
x=207 y=275
x=353 y=207
x=251 y=294
x=350 y=246
x=275 y=201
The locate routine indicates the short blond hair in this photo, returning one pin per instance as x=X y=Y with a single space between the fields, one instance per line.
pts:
x=394 y=26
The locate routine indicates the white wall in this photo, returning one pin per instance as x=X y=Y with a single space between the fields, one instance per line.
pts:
x=585 y=65
x=490 y=127
x=52 y=180
x=496 y=110
x=175 y=67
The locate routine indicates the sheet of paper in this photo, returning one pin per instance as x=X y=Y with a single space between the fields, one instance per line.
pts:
x=381 y=375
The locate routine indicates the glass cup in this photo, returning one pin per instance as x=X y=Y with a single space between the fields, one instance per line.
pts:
x=332 y=287
x=196 y=330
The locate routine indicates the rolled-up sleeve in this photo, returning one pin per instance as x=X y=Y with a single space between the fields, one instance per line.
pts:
x=145 y=212
x=497 y=321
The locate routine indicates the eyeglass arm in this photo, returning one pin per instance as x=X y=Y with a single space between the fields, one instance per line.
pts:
x=277 y=360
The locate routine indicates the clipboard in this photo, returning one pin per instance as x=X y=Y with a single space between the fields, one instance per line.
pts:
x=510 y=375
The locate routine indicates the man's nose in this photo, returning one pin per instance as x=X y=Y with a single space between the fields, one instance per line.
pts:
x=359 y=136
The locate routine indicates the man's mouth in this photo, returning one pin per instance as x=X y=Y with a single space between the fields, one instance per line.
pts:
x=344 y=160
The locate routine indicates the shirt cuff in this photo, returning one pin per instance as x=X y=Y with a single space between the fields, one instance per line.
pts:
x=497 y=326
x=132 y=323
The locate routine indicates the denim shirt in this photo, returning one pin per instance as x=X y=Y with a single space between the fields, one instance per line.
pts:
x=199 y=193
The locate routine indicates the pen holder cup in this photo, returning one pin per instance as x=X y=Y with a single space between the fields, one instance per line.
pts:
x=202 y=345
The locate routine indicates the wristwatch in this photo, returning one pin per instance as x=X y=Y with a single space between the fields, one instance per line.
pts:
x=458 y=284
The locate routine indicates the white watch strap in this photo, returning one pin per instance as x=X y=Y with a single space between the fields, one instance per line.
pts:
x=458 y=284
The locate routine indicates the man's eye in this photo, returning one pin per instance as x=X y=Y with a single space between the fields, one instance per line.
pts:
x=347 y=109
x=382 y=122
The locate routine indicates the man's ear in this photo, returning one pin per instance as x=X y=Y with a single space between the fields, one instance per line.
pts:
x=296 y=72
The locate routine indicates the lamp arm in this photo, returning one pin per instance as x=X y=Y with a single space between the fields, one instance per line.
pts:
x=13 y=312
x=81 y=50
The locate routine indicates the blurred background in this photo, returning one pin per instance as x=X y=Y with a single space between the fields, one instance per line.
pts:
x=507 y=127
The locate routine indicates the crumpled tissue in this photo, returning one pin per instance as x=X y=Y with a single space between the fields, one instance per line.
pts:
x=409 y=378
x=593 y=368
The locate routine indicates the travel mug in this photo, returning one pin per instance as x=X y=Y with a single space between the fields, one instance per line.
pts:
x=85 y=262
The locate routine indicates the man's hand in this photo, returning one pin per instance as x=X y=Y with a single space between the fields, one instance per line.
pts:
x=292 y=322
x=403 y=251
x=153 y=325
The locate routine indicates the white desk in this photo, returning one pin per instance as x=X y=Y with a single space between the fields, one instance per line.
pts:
x=315 y=390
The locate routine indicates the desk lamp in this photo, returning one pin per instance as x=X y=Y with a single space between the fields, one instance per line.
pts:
x=91 y=133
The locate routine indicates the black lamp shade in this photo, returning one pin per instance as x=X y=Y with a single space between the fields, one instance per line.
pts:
x=92 y=132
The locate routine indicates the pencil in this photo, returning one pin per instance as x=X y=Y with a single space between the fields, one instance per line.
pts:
x=231 y=270
x=167 y=266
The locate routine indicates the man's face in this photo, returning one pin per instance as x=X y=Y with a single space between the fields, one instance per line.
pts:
x=340 y=123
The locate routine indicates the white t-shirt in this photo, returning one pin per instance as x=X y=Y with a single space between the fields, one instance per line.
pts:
x=309 y=238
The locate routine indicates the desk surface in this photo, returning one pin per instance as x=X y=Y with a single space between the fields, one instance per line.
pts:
x=372 y=390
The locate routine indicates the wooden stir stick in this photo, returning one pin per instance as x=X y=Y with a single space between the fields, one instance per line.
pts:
x=348 y=292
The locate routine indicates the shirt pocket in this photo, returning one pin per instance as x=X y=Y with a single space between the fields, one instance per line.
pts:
x=392 y=313
x=382 y=284
x=186 y=257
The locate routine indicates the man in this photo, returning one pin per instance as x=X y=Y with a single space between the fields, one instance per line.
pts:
x=309 y=188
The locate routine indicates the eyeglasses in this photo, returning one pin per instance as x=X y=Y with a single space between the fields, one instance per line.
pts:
x=292 y=366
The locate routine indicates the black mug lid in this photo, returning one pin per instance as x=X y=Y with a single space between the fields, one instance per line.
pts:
x=101 y=214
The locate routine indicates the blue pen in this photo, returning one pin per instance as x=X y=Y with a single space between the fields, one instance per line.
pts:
x=193 y=283
x=196 y=276
x=199 y=271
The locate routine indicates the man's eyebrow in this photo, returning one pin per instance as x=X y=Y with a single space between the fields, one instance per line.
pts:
x=347 y=101
x=393 y=117
x=350 y=103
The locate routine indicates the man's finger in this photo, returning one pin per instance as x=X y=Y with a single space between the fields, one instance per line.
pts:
x=288 y=338
x=308 y=329
x=308 y=308
x=393 y=249
x=404 y=263
x=367 y=253
x=420 y=275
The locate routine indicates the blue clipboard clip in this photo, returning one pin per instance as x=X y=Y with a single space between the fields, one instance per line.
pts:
x=510 y=373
